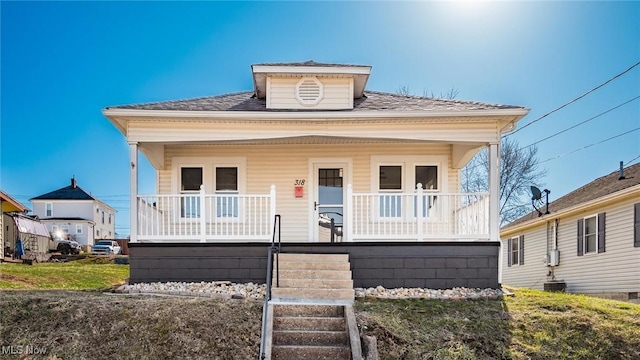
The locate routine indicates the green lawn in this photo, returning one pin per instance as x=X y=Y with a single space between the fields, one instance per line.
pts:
x=530 y=325
x=74 y=275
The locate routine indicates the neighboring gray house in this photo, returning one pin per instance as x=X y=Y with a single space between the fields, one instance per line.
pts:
x=71 y=212
x=590 y=240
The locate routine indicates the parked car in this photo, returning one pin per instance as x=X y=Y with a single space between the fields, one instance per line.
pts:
x=64 y=246
x=106 y=247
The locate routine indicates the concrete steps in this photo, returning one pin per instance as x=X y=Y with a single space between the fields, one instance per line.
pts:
x=310 y=332
x=322 y=278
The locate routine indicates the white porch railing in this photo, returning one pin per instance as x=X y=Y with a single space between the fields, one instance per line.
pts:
x=205 y=217
x=421 y=215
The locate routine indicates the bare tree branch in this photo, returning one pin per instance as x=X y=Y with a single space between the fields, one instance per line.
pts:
x=519 y=169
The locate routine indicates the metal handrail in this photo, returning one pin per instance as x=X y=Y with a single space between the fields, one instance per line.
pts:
x=277 y=223
x=270 y=252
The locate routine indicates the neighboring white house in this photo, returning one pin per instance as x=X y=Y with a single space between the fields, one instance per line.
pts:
x=590 y=240
x=71 y=212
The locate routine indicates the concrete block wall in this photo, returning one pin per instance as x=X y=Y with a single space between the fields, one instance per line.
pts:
x=436 y=265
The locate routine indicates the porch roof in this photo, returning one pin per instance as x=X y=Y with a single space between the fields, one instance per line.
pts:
x=371 y=101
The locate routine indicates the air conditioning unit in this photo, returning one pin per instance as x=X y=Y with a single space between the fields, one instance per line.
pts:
x=553 y=258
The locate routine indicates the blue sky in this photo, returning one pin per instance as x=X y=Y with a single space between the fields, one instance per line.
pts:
x=63 y=62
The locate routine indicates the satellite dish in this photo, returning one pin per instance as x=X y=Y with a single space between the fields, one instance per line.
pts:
x=537 y=194
x=536 y=197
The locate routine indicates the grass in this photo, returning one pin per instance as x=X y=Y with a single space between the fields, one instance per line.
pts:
x=87 y=324
x=83 y=274
x=530 y=325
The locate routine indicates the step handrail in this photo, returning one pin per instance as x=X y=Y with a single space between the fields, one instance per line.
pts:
x=267 y=296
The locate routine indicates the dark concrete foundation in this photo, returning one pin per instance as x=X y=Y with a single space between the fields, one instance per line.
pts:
x=436 y=265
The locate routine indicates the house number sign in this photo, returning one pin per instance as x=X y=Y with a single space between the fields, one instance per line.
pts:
x=299 y=182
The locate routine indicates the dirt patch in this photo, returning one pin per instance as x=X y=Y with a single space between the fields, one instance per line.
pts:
x=81 y=325
x=14 y=280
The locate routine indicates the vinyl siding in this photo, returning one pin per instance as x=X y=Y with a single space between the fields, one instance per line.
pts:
x=337 y=94
x=533 y=273
x=281 y=165
x=615 y=270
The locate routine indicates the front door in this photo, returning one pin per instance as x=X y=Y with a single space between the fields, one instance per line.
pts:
x=328 y=203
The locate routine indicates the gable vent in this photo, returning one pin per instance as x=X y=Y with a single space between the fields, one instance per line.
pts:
x=309 y=91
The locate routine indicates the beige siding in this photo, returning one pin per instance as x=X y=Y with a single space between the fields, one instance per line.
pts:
x=281 y=165
x=201 y=130
x=532 y=274
x=337 y=94
x=615 y=270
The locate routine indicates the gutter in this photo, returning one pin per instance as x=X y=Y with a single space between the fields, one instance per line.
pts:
x=304 y=115
x=605 y=200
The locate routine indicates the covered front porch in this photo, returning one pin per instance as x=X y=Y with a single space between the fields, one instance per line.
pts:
x=420 y=215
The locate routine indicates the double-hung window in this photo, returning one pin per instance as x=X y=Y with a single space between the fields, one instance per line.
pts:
x=48 y=209
x=227 y=205
x=390 y=186
x=395 y=180
x=591 y=234
x=190 y=182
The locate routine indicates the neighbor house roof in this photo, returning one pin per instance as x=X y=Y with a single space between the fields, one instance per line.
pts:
x=371 y=101
x=308 y=63
x=594 y=190
x=66 y=193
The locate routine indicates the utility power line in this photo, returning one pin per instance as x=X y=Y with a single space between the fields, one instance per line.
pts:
x=574 y=100
x=578 y=124
x=630 y=161
x=590 y=145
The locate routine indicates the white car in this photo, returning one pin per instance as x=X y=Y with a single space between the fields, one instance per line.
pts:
x=106 y=247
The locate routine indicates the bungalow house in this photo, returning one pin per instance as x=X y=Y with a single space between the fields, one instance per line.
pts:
x=589 y=242
x=8 y=205
x=72 y=213
x=350 y=171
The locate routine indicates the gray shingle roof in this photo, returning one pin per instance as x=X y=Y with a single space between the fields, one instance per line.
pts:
x=596 y=189
x=309 y=63
x=66 y=193
x=372 y=101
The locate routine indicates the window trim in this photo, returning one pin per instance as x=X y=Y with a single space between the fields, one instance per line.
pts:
x=408 y=164
x=79 y=227
x=584 y=234
x=209 y=165
x=48 y=209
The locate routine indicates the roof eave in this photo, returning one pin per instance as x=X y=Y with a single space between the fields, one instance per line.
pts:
x=589 y=205
x=297 y=115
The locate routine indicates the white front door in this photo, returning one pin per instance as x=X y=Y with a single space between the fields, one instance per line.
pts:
x=328 y=199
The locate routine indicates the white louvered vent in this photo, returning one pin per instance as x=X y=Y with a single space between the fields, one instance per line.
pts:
x=309 y=91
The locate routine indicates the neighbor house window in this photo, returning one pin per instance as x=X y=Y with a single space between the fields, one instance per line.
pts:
x=48 y=209
x=515 y=251
x=103 y=217
x=591 y=234
x=226 y=189
x=78 y=229
x=65 y=228
x=190 y=182
x=109 y=218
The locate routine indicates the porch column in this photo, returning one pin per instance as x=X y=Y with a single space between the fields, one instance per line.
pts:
x=494 y=193
x=133 y=197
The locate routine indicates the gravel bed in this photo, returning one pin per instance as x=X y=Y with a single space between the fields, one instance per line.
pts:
x=251 y=291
